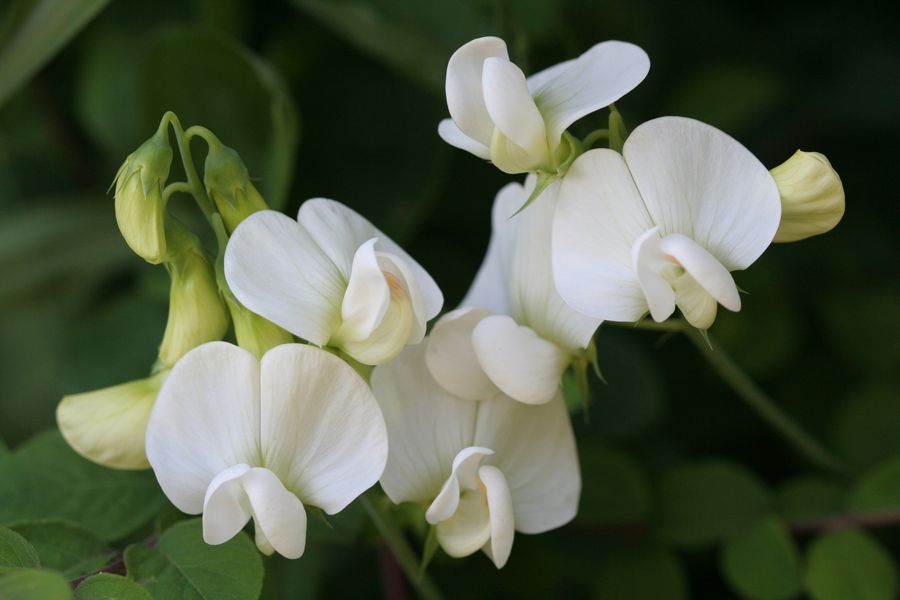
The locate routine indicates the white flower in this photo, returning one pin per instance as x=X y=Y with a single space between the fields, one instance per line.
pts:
x=483 y=469
x=532 y=336
x=331 y=278
x=238 y=438
x=662 y=225
x=518 y=124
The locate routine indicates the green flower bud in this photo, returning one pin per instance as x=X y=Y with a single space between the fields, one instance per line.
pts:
x=228 y=184
x=107 y=426
x=253 y=332
x=812 y=196
x=197 y=313
x=140 y=208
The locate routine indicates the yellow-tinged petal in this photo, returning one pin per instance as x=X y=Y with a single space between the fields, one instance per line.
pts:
x=107 y=426
x=812 y=196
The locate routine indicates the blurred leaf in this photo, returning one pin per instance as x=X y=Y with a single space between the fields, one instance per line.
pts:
x=878 y=490
x=641 y=574
x=65 y=546
x=16 y=552
x=182 y=565
x=34 y=584
x=866 y=425
x=760 y=561
x=106 y=586
x=809 y=498
x=864 y=325
x=614 y=489
x=849 y=564
x=44 y=478
x=34 y=31
x=701 y=502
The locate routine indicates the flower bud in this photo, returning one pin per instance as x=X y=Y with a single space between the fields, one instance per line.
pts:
x=812 y=196
x=228 y=184
x=107 y=426
x=140 y=208
x=197 y=313
x=253 y=332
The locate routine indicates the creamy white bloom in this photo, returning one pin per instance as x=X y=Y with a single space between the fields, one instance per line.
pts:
x=483 y=469
x=237 y=438
x=518 y=123
x=812 y=196
x=513 y=332
x=663 y=224
x=333 y=279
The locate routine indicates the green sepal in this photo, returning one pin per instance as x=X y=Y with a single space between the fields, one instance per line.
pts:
x=431 y=546
x=618 y=133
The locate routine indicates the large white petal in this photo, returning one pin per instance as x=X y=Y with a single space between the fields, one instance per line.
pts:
x=463 y=476
x=698 y=181
x=278 y=271
x=519 y=362
x=206 y=419
x=451 y=356
x=501 y=511
x=490 y=288
x=451 y=134
x=321 y=430
x=599 y=216
x=279 y=515
x=534 y=300
x=599 y=77
x=511 y=107
x=367 y=296
x=535 y=449
x=537 y=80
x=465 y=97
x=427 y=427
x=340 y=230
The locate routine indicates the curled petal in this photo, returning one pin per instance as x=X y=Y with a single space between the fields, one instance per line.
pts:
x=465 y=96
x=451 y=356
x=463 y=477
x=451 y=134
x=500 y=509
x=512 y=109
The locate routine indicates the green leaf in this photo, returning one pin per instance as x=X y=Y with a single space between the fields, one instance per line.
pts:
x=760 y=561
x=34 y=584
x=65 y=546
x=866 y=425
x=809 y=498
x=16 y=552
x=106 y=586
x=849 y=564
x=701 y=502
x=44 y=478
x=641 y=574
x=878 y=490
x=36 y=30
x=182 y=566
x=615 y=490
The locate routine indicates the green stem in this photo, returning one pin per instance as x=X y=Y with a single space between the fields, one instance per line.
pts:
x=405 y=556
x=589 y=139
x=193 y=178
x=751 y=394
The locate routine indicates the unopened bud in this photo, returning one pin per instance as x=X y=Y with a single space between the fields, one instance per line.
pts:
x=228 y=184
x=197 y=313
x=140 y=207
x=254 y=333
x=107 y=426
x=812 y=196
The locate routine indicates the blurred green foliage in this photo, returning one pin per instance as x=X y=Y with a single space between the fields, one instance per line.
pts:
x=686 y=492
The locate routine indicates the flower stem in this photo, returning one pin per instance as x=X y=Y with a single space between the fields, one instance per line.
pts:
x=751 y=394
x=193 y=178
x=599 y=134
x=405 y=556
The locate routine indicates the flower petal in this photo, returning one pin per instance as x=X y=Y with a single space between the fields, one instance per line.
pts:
x=451 y=134
x=206 y=419
x=519 y=362
x=500 y=509
x=463 y=476
x=367 y=296
x=649 y=262
x=278 y=271
x=599 y=77
x=279 y=514
x=468 y=529
x=511 y=107
x=535 y=450
x=695 y=303
x=427 y=427
x=698 y=181
x=598 y=218
x=321 y=430
x=451 y=357
x=465 y=97
x=225 y=510
x=704 y=268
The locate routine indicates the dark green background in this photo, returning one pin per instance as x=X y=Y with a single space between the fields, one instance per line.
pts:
x=820 y=329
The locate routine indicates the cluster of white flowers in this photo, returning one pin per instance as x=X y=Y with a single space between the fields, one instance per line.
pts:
x=468 y=422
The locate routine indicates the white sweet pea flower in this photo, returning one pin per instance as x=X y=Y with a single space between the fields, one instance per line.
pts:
x=333 y=279
x=237 y=438
x=663 y=224
x=514 y=333
x=483 y=470
x=518 y=123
